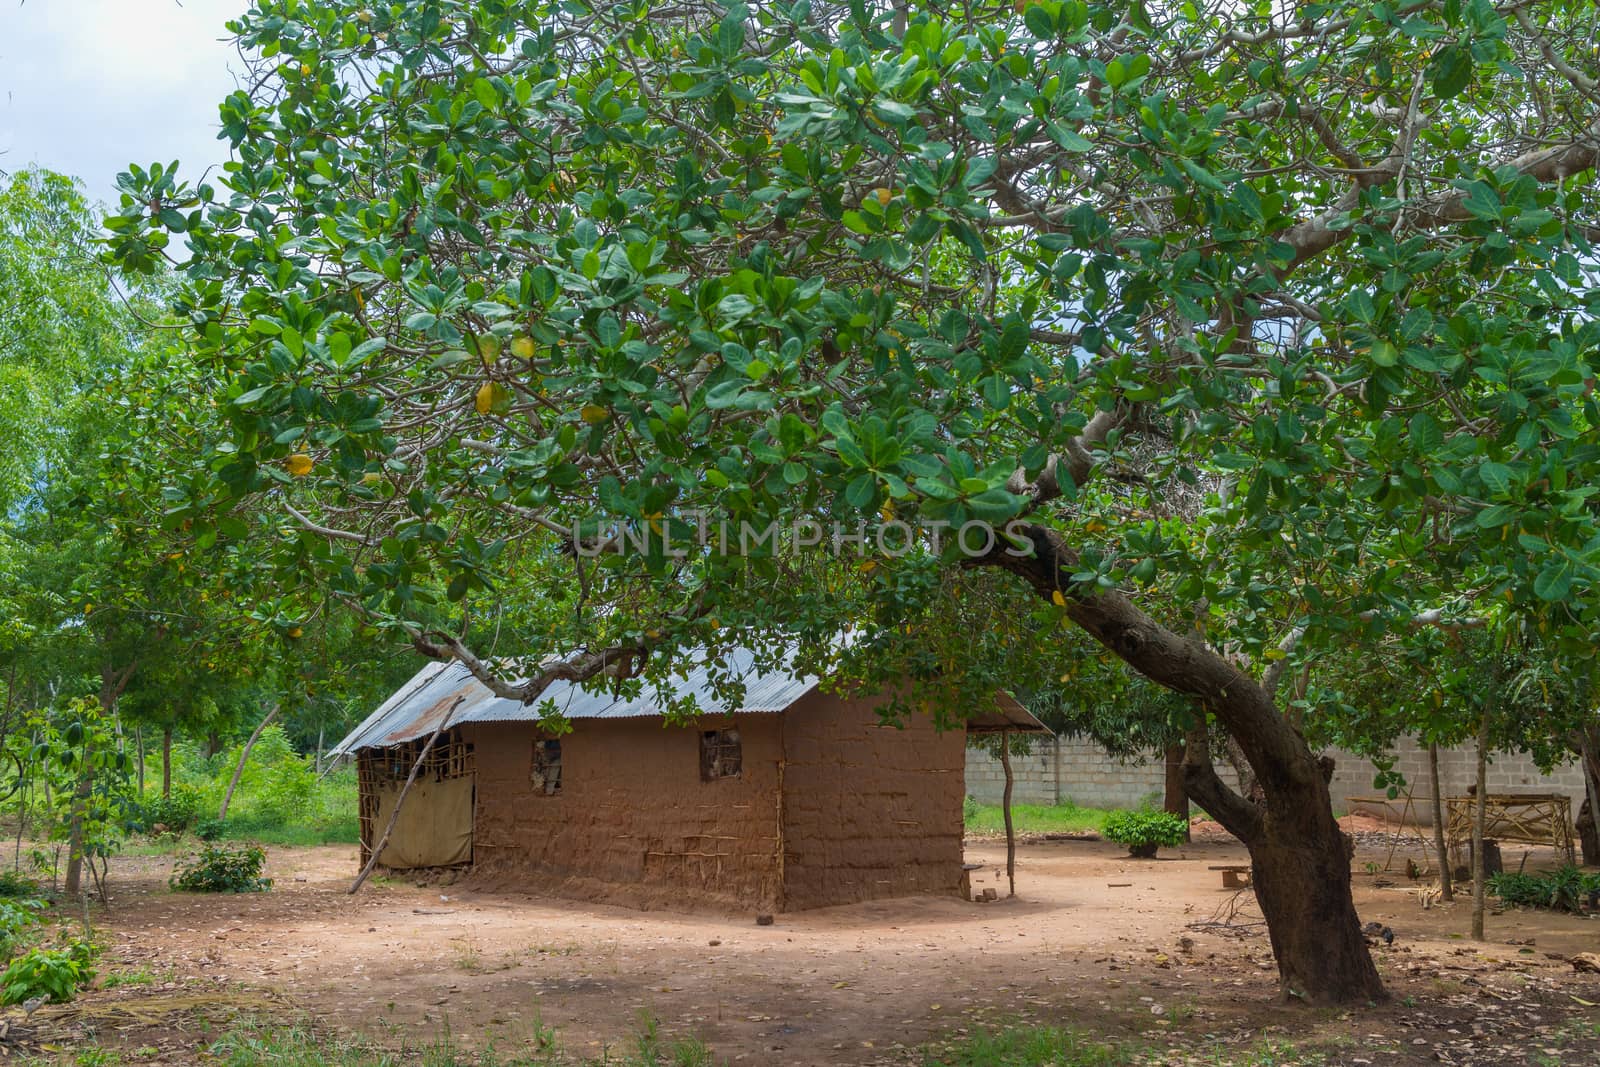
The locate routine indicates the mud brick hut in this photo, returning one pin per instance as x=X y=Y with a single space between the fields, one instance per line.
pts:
x=797 y=798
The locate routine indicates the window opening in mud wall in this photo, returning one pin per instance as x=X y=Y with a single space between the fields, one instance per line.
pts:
x=720 y=754
x=546 y=773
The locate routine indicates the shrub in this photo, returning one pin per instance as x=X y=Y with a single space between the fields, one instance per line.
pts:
x=15 y=917
x=14 y=884
x=1145 y=830
x=55 y=974
x=221 y=869
x=1562 y=890
x=175 y=812
x=210 y=829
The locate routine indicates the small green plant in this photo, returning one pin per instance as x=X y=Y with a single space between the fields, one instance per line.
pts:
x=143 y=976
x=969 y=809
x=223 y=869
x=55 y=974
x=15 y=917
x=171 y=814
x=17 y=884
x=210 y=829
x=1145 y=830
x=1561 y=890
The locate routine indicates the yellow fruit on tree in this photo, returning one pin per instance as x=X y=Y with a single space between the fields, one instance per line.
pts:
x=883 y=195
x=295 y=631
x=594 y=414
x=522 y=347
x=300 y=464
x=484 y=401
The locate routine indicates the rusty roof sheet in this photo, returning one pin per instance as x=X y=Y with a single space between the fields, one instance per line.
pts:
x=1007 y=714
x=441 y=690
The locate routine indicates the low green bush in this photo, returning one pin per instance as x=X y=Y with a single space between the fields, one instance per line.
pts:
x=53 y=973
x=172 y=814
x=1145 y=830
x=15 y=917
x=1560 y=890
x=15 y=884
x=223 y=869
x=211 y=829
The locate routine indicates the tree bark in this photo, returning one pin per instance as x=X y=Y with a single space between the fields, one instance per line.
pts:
x=1480 y=862
x=75 y=828
x=244 y=755
x=166 y=761
x=112 y=683
x=138 y=740
x=1005 y=811
x=1589 y=758
x=1299 y=858
x=1441 y=850
x=1174 y=800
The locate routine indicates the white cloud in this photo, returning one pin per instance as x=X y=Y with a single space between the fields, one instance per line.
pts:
x=88 y=86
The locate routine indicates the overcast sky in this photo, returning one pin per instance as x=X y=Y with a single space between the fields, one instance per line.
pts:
x=88 y=86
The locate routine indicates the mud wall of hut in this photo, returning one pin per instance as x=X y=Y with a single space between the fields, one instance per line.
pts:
x=633 y=820
x=869 y=811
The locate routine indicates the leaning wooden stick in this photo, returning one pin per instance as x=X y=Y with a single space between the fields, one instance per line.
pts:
x=372 y=861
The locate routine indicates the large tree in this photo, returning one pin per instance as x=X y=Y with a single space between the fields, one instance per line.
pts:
x=1270 y=327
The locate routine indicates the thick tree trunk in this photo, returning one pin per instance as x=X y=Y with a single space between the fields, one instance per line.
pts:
x=244 y=756
x=1441 y=850
x=1175 y=801
x=166 y=761
x=1480 y=864
x=1589 y=836
x=1299 y=856
x=1300 y=869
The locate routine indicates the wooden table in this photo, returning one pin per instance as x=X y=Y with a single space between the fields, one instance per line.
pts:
x=1527 y=818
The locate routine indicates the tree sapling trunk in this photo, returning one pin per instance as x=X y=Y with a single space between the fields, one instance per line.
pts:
x=244 y=756
x=1480 y=863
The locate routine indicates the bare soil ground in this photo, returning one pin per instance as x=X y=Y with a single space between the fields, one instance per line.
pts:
x=1149 y=951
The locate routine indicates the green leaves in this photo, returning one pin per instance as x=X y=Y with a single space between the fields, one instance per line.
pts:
x=1554 y=582
x=1451 y=70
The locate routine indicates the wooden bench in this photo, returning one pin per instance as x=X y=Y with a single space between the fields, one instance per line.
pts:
x=1234 y=876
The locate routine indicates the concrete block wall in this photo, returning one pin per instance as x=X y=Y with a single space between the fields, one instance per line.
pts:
x=1458 y=769
x=1080 y=771
x=1064 y=769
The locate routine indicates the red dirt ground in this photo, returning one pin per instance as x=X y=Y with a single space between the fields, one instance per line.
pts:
x=1093 y=939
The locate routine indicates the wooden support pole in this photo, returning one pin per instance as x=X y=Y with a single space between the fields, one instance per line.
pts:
x=1005 y=810
x=1480 y=866
x=377 y=850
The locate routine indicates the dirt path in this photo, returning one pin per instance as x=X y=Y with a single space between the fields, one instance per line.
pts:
x=1093 y=940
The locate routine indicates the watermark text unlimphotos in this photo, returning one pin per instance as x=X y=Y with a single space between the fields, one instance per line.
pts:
x=696 y=533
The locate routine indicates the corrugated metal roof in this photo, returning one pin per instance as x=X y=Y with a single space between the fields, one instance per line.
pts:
x=1008 y=714
x=419 y=706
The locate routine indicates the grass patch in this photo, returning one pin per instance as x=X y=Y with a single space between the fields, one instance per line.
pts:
x=1031 y=1046
x=337 y=830
x=1065 y=817
x=261 y=1042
